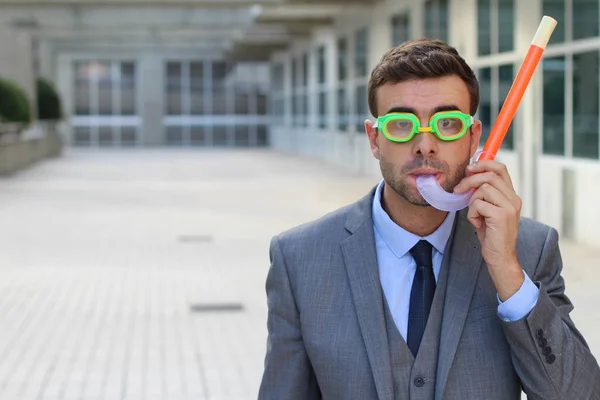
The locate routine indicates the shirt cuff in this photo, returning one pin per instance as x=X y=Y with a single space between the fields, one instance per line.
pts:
x=521 y=303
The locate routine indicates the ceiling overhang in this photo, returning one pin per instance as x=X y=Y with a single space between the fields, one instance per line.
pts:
x=243 y=29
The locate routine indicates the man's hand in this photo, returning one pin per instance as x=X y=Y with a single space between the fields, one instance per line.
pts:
x=494 y=210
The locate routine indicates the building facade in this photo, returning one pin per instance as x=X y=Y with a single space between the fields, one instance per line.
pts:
x=148 y=98
x=140 y=73
x=319 y=102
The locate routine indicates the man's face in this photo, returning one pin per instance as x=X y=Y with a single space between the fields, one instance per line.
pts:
x=425 y=153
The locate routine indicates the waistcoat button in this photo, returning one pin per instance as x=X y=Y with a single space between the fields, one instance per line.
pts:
x=419 y=382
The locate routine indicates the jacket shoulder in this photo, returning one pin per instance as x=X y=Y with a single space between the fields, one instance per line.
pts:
x=328 y=225
x=531 y=230
x=535 y=239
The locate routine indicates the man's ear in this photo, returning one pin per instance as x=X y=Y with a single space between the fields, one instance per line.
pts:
x=475 y=136
x=373 y=135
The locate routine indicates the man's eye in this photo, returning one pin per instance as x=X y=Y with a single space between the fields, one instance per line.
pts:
x=403 y=124
x=447 y=122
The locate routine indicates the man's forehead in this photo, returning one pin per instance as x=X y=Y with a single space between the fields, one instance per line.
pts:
x=424 y=95
x=430 y=111
x=450 y=85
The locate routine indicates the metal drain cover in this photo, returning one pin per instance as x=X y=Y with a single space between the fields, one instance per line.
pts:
x=216 y=307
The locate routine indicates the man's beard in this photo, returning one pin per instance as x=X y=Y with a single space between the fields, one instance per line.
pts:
x=398 y=182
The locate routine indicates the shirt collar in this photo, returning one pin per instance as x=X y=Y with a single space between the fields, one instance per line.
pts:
x=398 y=239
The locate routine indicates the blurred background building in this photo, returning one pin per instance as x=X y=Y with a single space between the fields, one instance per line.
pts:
x=292 y=75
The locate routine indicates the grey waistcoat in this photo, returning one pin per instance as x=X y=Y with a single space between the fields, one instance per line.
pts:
x=415 y=379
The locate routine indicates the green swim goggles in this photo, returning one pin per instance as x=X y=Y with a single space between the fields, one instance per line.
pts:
x=447 y=125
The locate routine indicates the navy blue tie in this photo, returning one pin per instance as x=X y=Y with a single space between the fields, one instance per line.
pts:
x=421 y=295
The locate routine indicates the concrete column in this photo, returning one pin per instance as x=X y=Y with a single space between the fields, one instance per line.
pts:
x=47 y=60
x=16 y=61
x=151 y=95
x=380 y=36
x=416 y=19
x=527 y=124
x=463 y=35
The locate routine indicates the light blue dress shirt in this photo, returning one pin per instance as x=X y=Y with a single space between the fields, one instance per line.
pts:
x=397 y=267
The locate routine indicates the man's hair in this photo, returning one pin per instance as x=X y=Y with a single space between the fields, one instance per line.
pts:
x=420 y=59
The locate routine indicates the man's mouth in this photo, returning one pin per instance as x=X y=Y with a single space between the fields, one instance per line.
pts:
x=424 y=171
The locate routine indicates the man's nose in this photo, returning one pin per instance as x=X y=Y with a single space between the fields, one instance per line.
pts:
x=425 y=144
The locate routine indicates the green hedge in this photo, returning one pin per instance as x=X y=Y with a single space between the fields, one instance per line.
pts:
x=48 y=101
x=14 y=104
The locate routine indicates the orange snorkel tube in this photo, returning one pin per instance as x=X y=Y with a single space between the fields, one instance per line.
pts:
x=428 y=185
x=517 y=90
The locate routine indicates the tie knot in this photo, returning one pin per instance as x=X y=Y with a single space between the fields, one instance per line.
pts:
x=421 y=252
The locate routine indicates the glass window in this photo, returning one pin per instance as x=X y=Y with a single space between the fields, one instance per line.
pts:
x=436 y=19
x=262 y=101
x=115 y=82
x=305 y=110
x=495 y=13
x=484 y=37
x=242 y=97
x=174 y=88
x=197 y=135
x=127 y=88
x=305 y=70
x=174 y=135
x=342 y=52
x=361 y=53
x=105 y=88
x=82 y=135
x=362 y=108
x=585 y=18
x=106 y=135
x=321 y=65
x=494 y=84
x=323 y=110
x=277 y=77
x=506 y=20
x=295 y=110
x=294 y=72
x=505 y=80
x=219 y=89
x=278 y=109
x=277 y=100
x=197 y=88
x=585 y=105
x=554 y=106
x=262 y=135
x=220 y=137
x=83 y=84
x=485 y=103
x=241 y=136
x=219 y=71
x=342 y=104
x=556 y=8
x=400 y=28
x=128 y=135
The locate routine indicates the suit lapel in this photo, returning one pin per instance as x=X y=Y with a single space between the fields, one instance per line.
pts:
x=361 y=266
x=464 y=262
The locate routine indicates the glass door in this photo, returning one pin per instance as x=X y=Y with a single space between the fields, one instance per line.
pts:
x=105 y=108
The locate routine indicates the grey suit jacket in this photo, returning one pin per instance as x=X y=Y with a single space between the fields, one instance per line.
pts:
x=326 y=326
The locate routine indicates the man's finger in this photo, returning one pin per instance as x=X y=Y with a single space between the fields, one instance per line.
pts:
x=493 y=166
x=490 y=194
x=491 y=178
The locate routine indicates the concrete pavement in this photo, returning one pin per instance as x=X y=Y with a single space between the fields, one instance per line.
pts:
x=128 y=274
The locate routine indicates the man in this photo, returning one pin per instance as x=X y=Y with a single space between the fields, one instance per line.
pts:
x=389 y=298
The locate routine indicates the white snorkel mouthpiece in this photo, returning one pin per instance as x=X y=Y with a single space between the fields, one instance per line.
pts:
x=437 y=197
